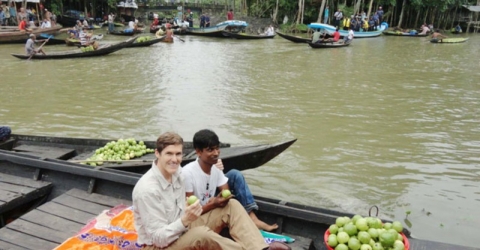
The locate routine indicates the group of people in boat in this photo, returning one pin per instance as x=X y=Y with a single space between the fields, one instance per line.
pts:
x=165 y=219
x=26 y=23
x=320 y=36
x=358 y=22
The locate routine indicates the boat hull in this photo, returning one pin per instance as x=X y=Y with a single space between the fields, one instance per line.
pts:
x=405 y=34
x=240 y=158
x=294 y=39
x=343 y=33
x=449 y=40
x=243 y=36
x=103 y=50
x=22 y=37
x=328 y=45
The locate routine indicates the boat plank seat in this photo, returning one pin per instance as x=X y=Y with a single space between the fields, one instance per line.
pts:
x=16 y=192
x=8 y=144
x=49 y=225
x=45 y=151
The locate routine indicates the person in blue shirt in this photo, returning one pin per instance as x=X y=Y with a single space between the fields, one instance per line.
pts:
x=207 y=20
x=325 y=15
x=2 y=17
x=202 y=21
x=380 y=15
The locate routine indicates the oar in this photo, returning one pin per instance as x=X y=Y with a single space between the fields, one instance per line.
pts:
x=46 y=35
x=179 y=38
x=39 y=48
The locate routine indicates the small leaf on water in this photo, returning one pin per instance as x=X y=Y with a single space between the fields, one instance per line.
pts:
x=428 y=213
x=441 y=225
x=408 y=212
x=408 y=223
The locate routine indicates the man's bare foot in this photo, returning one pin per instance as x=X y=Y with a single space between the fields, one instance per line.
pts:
x=262 y=225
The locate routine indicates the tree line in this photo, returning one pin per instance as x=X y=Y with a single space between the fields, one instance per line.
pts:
x=397 y=13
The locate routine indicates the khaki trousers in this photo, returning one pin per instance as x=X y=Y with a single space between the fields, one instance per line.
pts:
x=203 y=233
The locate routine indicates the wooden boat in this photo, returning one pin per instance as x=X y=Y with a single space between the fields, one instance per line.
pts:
x=328 y=45
x=146 y=43
x=362 y=34
x=22 y=36
x=399 y=33
x=77 y=53
x=123 y=33
x=79 y=193
x=241 y=157
x=215 y=31
x=449 y=40
x=245 y=36
x=295 y=39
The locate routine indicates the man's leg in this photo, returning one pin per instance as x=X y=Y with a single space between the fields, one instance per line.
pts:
x=241 y=227
x=200 y=237
x=239 y=188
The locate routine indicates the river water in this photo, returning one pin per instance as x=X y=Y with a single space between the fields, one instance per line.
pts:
x=389 y=121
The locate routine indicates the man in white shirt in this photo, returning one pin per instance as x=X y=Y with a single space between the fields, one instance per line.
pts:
x=46 y=24
x=164 y=221
x=204 y=177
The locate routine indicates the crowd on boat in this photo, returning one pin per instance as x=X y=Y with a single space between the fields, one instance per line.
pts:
x=358 y=22
x=26 y=18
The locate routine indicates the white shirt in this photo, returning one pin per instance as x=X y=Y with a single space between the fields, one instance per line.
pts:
x=85 y=23
x=158 y=207
x=201 y=184
x=270 y=31
x=350 y=34
x=46 y=24
x=131 y=25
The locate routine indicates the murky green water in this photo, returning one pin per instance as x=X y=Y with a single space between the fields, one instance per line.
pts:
x=390 y=121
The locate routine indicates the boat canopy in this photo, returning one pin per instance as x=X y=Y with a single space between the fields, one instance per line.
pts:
x=128 y=4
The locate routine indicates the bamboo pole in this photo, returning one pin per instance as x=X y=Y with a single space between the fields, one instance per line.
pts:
x=38 y=15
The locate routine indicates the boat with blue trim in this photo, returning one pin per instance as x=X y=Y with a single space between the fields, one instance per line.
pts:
x=358 y=34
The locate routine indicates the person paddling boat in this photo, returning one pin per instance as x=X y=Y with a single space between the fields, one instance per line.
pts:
x=30 y=46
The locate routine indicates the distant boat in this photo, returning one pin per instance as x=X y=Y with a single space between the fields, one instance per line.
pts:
x=358 y=34
x=295 y=39
x=22 y=36
x=399 y=33
x=329 y=44
x=449 y=40
x=246 y=36
x=233 y=26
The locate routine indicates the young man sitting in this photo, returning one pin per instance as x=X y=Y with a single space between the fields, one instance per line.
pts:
x=204 y=178
x=164 y=220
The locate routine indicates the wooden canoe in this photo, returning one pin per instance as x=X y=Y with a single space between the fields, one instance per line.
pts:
x=246 y=36
x=328 y=45
x=449 y=40
x=146 y=43
x=80 y=193
x=77 y=53
x=22 y=36
x=72 y=42
x=215 y=31
x=406 y=34
x=295 y=39
x=123 y=33
x=241 y=157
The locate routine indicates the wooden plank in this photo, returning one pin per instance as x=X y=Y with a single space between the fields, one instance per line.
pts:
x=65 y=212
x=22 y=181
x=7 y=196
x=80 y=204
x=8 y=246
x=45 y=151
x=53 y=221
x=15 y=188
x=300 y=243
x=24 y=240
x=97 y=198
x=39 y=231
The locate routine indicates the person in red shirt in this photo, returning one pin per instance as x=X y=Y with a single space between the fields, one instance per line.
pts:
x=22 y=26
x=336 y=37
x=230 y=15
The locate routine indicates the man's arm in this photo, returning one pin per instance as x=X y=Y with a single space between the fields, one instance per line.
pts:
x=153 y=217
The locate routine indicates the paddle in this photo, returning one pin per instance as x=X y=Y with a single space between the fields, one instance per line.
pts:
x=39 y=48
x=46 y=35
x=179 y=38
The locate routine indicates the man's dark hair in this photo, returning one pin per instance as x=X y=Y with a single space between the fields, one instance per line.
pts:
x=231 y=9
x=205 y=138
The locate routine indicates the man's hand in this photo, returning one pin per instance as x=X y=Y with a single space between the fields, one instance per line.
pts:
x=192 y=212
x=219 y=201
x=219 y=164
